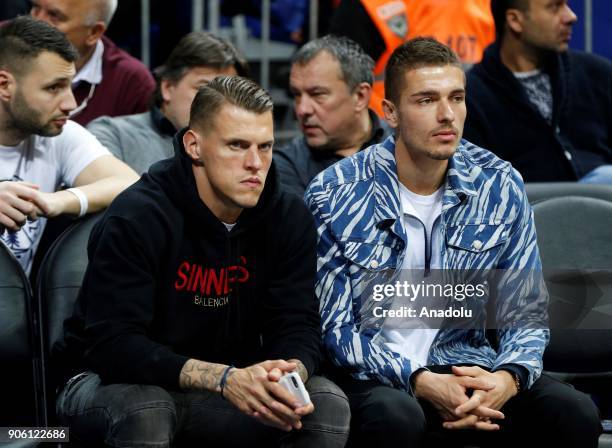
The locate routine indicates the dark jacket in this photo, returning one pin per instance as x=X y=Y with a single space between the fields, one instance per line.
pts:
x=167 y=282
x=298 y=164
x=502 y=119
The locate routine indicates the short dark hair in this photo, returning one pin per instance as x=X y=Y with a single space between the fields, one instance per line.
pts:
x=416 y=53
x=356 y=66
x=498 y=10
x=198 y=49
x=24 y=38
x=236 y=90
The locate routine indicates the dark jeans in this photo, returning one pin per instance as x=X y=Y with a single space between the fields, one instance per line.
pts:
x=133 y=415
x=550 y=413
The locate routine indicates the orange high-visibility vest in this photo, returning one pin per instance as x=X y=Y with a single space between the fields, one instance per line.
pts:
x=389 y=17
x=464 y=25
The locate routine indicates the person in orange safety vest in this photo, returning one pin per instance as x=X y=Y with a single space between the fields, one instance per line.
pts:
x=380 y=26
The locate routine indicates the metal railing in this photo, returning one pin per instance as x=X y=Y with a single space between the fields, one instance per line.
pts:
x=213 y=14
x=212 y=25
x=145 y=32
x=264 y=48
x=588 y=26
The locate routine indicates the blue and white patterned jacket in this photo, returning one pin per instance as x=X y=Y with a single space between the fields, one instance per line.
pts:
x=487 y=224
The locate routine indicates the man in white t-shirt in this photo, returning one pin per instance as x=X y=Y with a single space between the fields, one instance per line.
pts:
x=39 y=148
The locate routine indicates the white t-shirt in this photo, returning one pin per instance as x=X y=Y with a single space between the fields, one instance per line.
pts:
x=47 y=162
x=229 y=227
x=420 y=215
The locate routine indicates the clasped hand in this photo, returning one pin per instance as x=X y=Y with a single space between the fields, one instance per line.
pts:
x=256 y=392
x=449 y=396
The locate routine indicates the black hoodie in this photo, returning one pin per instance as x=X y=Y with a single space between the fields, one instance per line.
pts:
x=166 y=282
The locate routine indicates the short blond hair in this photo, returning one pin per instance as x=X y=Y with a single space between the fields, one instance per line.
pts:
x=236 y=90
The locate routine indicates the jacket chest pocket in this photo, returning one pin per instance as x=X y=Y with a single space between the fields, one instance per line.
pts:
x=371 y=257
x=475 y=246
x=370 y=264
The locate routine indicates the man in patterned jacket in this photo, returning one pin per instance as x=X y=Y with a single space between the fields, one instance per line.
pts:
x=421 y=201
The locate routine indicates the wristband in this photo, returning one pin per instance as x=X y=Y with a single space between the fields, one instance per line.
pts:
x=84 y=203
x=224 y=379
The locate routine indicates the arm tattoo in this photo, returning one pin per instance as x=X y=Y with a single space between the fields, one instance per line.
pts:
x=200 y=375
x=301 y=369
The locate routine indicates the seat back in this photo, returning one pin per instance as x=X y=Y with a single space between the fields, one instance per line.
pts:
x=18 y=358
x=59 y=281
x=540 y=191
x=575 y=242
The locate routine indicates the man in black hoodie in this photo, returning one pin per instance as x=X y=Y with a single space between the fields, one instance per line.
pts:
x=199 y=296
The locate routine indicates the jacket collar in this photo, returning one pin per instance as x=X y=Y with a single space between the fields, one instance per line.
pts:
x=556 y=65
x=163 y=125
x=380 y=130
x=458 y=185
x=493 y=64
x=91 y=72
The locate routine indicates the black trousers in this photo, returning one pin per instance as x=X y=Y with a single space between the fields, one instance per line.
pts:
x=550 y=413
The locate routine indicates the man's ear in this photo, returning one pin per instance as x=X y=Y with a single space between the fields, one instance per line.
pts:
x=514 y=20
x=165 y=86
x=362 y=93
x=95 y=33
x=7 y=85
x=193 y=147
x=390 y=112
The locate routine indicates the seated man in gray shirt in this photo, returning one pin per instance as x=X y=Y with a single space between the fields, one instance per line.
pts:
x=142 y=139
x=331 y=82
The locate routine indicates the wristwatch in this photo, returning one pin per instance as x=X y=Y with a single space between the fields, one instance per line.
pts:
x=517 y=380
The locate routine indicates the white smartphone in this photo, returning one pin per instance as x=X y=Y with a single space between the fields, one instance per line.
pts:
x=293 y=384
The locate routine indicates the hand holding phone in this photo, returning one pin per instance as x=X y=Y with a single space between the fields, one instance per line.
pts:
x=293 y=384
